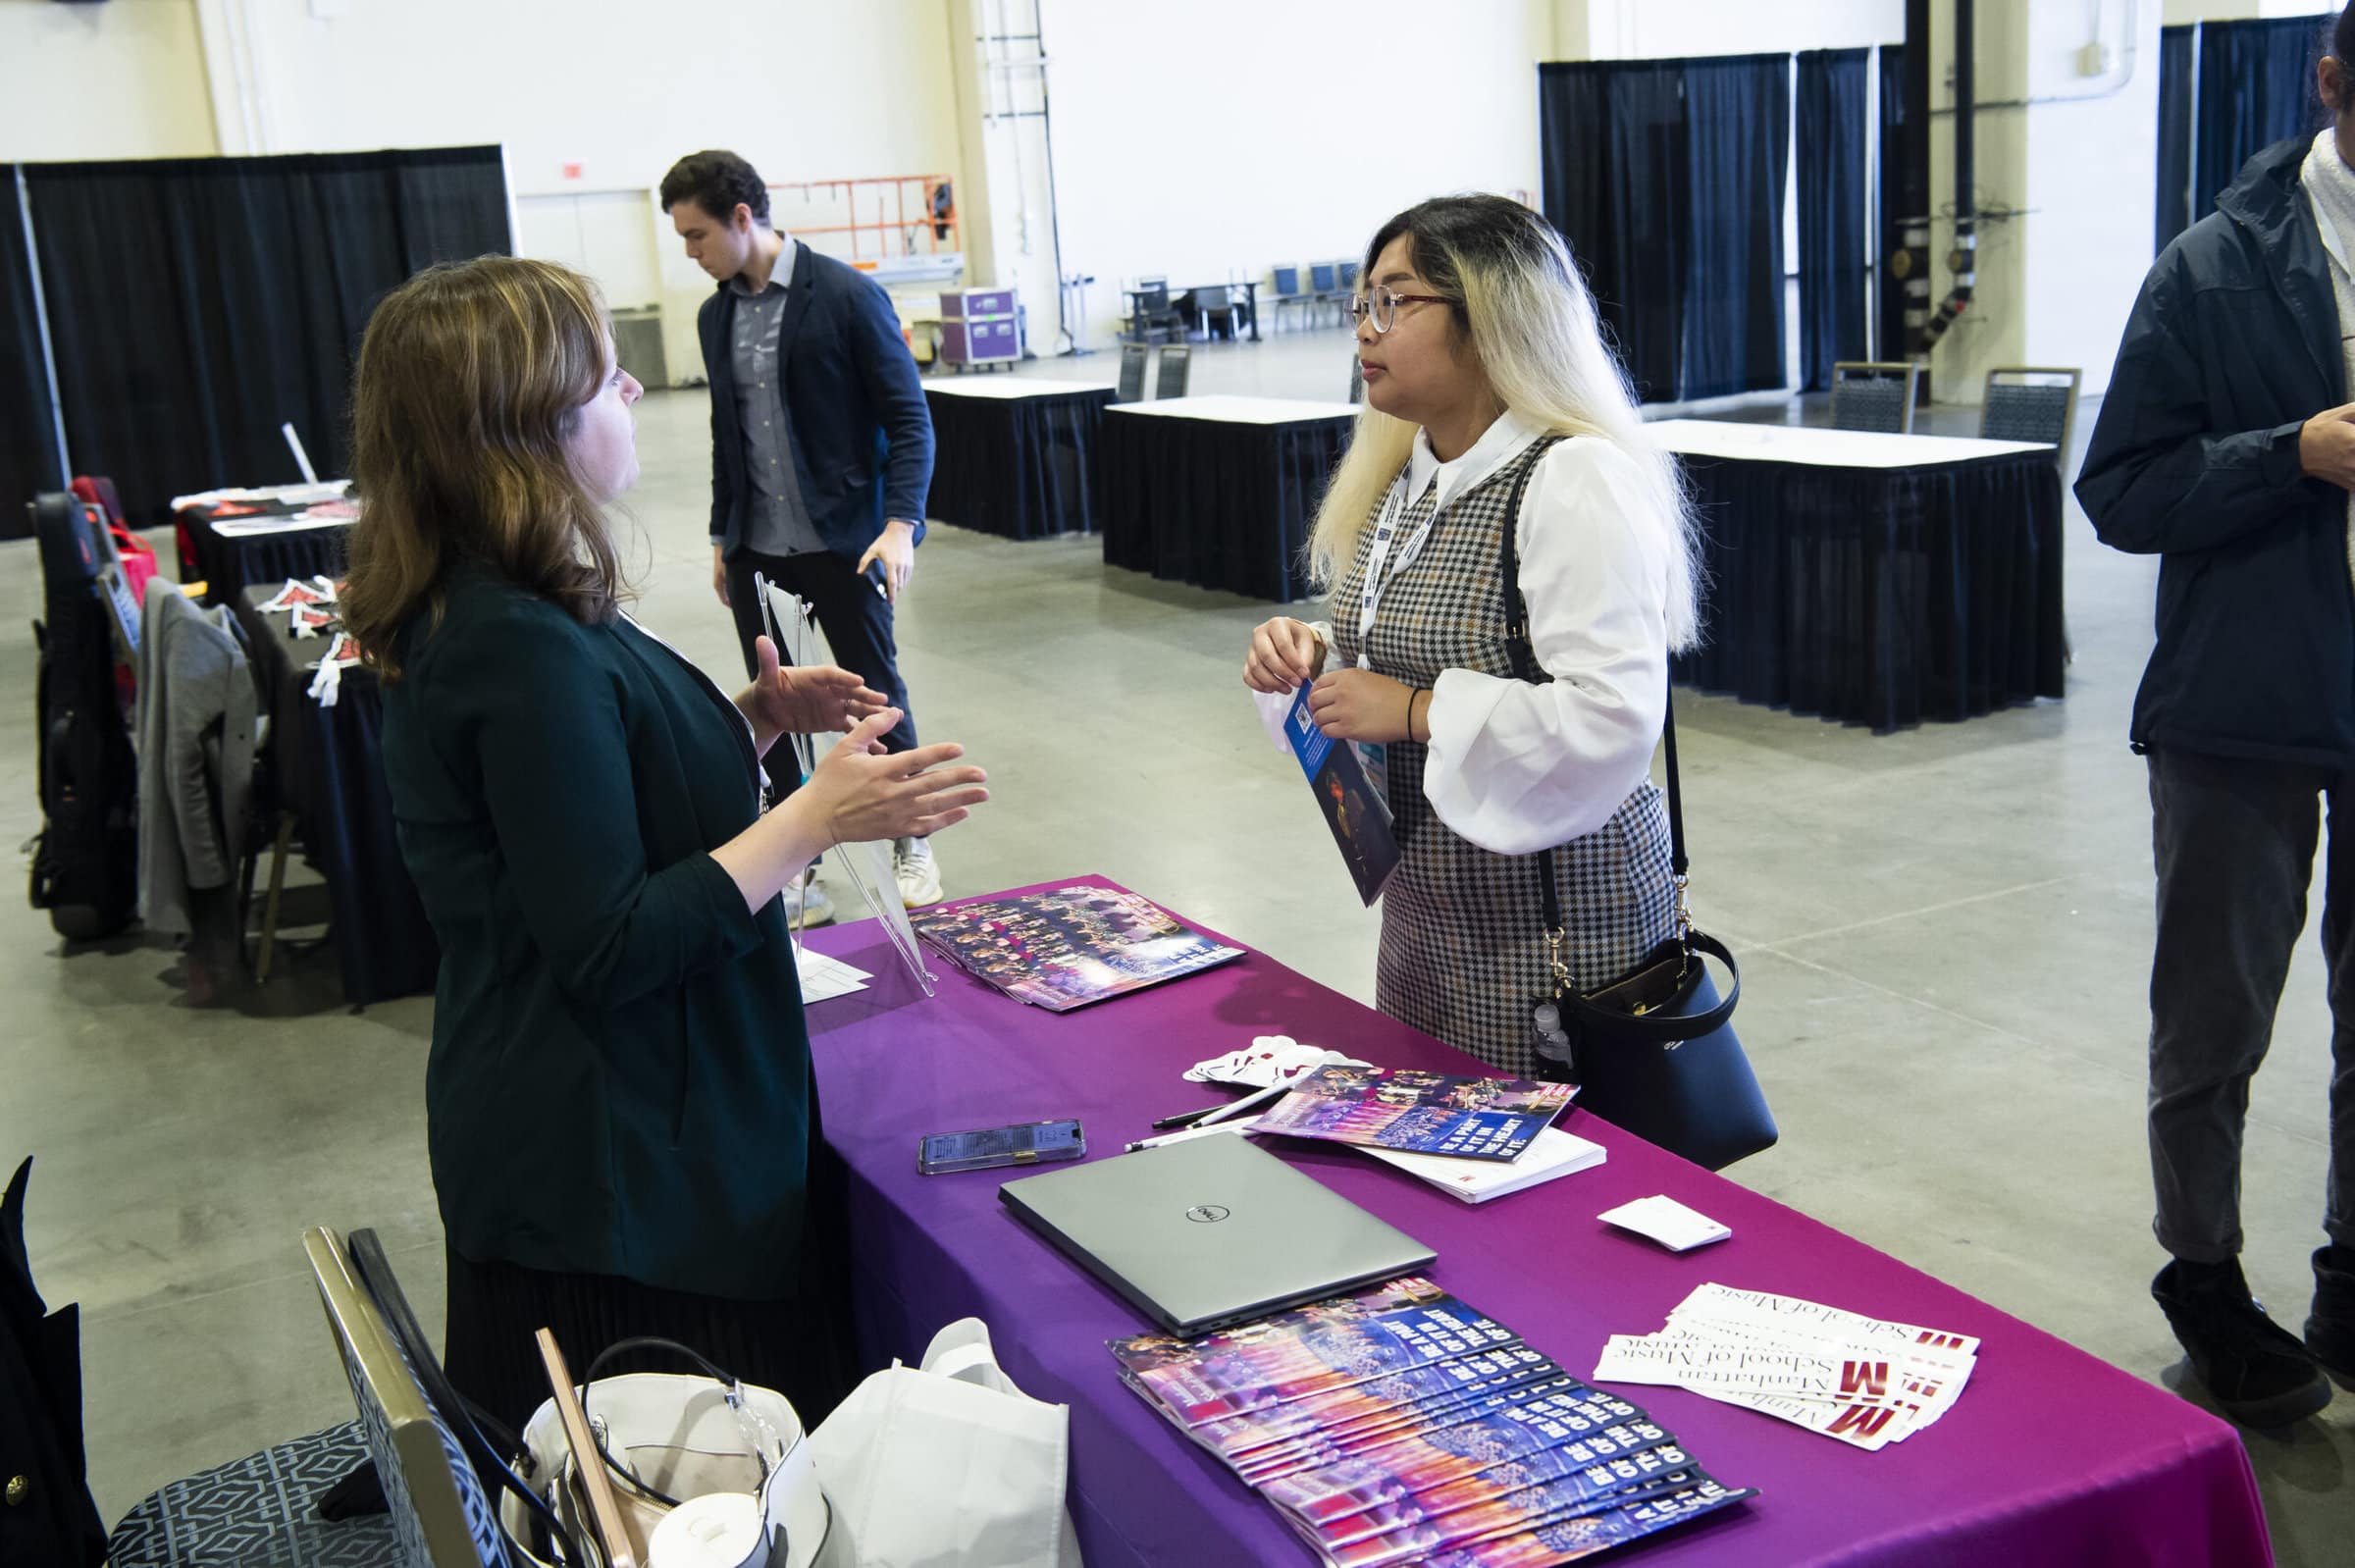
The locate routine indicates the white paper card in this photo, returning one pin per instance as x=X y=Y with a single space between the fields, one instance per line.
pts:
x=824 y=978
x=1667 y=1221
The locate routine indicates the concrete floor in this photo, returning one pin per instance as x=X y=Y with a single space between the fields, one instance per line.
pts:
x=1946 y=935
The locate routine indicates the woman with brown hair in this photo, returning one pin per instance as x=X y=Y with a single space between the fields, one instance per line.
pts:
x=621 y=1115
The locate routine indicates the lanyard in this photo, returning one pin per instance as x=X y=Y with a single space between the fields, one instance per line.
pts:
x=1395 y=507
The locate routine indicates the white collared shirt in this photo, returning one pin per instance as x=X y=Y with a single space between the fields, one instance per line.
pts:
x=1515 y=767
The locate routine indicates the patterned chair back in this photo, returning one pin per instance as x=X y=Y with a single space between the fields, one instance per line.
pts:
x=2026 y=402
x=1873 y=396
x=440 y=1511
x=1132 y=374
x=1172 y=373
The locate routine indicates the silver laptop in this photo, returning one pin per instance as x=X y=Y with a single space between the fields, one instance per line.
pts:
x=1211 y=1233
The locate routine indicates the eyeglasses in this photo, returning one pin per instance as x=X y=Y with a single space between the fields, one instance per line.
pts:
x=1382 y=305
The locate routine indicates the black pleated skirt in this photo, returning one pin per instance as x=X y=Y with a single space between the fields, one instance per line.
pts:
x=803 y=1347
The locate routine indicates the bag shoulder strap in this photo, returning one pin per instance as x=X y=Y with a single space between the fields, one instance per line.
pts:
x=1523 y=654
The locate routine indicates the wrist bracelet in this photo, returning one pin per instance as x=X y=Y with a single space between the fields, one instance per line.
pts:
x=1411 y=694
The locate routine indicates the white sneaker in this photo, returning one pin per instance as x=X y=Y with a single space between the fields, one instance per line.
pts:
x=807 y=904
x=919 y=875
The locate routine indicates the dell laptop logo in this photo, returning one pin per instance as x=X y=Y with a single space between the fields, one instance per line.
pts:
x=1206 y=1214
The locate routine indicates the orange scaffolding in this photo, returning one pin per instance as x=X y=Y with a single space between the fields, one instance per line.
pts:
x=913 y=215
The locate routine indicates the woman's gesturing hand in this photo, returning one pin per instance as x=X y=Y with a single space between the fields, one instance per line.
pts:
x=799 y=700
x=861 y=792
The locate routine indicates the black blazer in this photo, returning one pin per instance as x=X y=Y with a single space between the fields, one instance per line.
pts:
x=862 y=431
x=620 y=1080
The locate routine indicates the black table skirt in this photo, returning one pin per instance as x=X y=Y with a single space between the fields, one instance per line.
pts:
x=1880 y=596
x=1019 y=467
x=1213 y=502
x=231 y=565
x=329 y=767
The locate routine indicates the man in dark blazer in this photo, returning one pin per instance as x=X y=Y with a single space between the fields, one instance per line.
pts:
x=821 y=442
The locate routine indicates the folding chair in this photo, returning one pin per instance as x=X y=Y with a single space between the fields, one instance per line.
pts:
x=1132 y=374
x=1171 y=377
x=2031 y=402
x=1875 y=396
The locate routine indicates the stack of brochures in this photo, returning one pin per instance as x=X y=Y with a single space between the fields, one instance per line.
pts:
x=1556 y=1153
x=1401 y=1426
x=1865 y=1380
x=1067 y=948
x=1416 y=1112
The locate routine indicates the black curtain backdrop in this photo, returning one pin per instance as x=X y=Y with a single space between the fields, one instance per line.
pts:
x=2256 y=88
x=2173 y=214
x=1615 y=184
x=1889 y=290
x=196 y=305
x=1737 y=166
x=1830 y=145
x=1666 y=178
x=28 y=437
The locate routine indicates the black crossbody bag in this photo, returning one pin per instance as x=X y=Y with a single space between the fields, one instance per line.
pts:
x=1652 y=1051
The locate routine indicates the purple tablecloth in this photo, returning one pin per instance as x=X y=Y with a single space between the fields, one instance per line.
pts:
x=2050 y=1456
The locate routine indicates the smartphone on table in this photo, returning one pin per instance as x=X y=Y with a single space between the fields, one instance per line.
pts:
x=1025 y=1143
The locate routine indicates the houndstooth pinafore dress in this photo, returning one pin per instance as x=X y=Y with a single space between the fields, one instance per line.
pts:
x=1463 y=943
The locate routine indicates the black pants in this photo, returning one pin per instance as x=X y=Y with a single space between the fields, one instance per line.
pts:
x=2234 y=844
x=851 y=611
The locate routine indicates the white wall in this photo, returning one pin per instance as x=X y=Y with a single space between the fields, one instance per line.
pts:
x=118 y=81
x=1229 y=135
x=2077 y=163
x=2174 y=12
x=1642 y=29
x=806 y=90
x=2092 y=177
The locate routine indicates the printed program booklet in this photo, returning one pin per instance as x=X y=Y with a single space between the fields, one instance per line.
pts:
x=1354 y=808
x=1064 y=949
x=1401 y=1426
x=1418 y=1112
x=1556 y=1153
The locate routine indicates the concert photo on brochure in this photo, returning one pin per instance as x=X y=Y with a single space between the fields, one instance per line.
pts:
x=1063 y=949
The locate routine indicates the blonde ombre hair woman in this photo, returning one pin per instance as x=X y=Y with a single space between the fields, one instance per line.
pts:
x=1493 y=404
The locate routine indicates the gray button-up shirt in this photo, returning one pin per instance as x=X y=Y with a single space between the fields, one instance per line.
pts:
x=777 y=522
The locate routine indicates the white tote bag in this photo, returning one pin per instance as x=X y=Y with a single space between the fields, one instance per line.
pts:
x=950 y=1466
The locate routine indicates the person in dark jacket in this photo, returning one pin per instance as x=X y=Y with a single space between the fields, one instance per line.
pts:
x=821 y=441
x=2226 y=446
x=620 y=1110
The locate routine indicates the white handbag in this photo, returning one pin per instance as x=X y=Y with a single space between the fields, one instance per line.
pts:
x=743 y=1482
x=947 y=1466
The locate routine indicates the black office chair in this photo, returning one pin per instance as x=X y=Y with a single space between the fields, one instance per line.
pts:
x=1159 y=315
x=1151 y=316
x=1873 y=396
x=1325 y=286
x=1216 y=309
x=2027 y=403
x=1170 y=382
x=1287 y=293
x=1132 y=374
